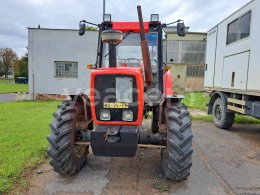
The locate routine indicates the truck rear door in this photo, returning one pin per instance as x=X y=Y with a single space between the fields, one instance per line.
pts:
x=211 y=57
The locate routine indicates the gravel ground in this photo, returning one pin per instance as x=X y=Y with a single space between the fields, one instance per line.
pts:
x=224 y=162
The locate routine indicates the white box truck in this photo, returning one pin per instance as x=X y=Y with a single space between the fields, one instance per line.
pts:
x=232 y=73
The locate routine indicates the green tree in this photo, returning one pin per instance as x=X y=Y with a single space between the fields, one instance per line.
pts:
x=21 y=67
x=91 y=28
x=8 y=59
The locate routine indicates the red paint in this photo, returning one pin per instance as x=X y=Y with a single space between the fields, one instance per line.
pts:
x=133 y=26
x=132 y=71
x=167 y=84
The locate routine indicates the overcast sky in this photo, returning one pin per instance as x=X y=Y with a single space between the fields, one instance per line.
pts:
x=17 y=15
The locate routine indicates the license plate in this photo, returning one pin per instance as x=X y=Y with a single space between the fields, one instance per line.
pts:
x=115 y=105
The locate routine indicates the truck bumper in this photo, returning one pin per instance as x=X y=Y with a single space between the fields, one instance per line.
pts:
x=114 y=141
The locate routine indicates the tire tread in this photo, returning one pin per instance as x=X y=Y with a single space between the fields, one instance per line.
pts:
x=61 y=152
x=177 y=158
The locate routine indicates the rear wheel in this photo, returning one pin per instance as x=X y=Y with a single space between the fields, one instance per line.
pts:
x=66 y=157
x=221 y=117
x=177 y=158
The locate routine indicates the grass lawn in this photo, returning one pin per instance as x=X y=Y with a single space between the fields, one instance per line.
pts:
x=9 y=86
x=12 y=88
x=23 y=132
x=6 y=81
x=198 y=100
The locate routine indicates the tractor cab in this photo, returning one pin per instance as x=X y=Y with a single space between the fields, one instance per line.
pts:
x=128 y=52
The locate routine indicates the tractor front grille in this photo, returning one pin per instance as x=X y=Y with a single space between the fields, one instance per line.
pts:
x=105 y=92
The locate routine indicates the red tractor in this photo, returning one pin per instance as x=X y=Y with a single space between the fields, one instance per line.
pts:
x=128 y=81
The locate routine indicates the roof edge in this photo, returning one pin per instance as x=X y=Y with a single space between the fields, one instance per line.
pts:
x=32 y=28
x=193 y=33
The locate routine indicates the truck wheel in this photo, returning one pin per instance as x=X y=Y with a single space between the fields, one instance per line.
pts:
x=177 y=158
x=66 y=157
x=221 y=117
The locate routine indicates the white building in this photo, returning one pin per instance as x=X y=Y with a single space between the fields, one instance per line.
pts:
x=58 y=60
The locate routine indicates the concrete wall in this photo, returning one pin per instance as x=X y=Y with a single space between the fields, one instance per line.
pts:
x=179 y=77
x=182 y=83
x=47 y=46
x=194 y=84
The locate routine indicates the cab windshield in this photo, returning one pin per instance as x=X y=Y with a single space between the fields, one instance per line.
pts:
x=129 y=51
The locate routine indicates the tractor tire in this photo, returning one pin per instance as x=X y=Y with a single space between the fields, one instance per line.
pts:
x=176 y=160
x=221 y=117
x=65 y=157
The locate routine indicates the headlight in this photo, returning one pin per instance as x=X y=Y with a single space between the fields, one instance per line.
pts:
x=127 y=115
x=154 y=17
x=104 y=115
x=107 y=17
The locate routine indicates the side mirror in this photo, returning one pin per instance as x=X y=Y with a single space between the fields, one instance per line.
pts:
x=82 y=29
x=181 y=29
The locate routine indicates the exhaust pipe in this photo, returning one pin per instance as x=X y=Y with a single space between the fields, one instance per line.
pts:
x=145 y=49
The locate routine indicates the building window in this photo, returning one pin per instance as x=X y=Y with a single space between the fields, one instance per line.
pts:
x=195 y=71
x=66 y=69
x=239 y=29
x=186 y=52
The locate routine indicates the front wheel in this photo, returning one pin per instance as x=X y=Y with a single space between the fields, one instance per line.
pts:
x=221 y=117
x=177 y=158
x=65 y=156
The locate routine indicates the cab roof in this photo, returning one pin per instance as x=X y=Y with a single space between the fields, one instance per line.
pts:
x=129 y=26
